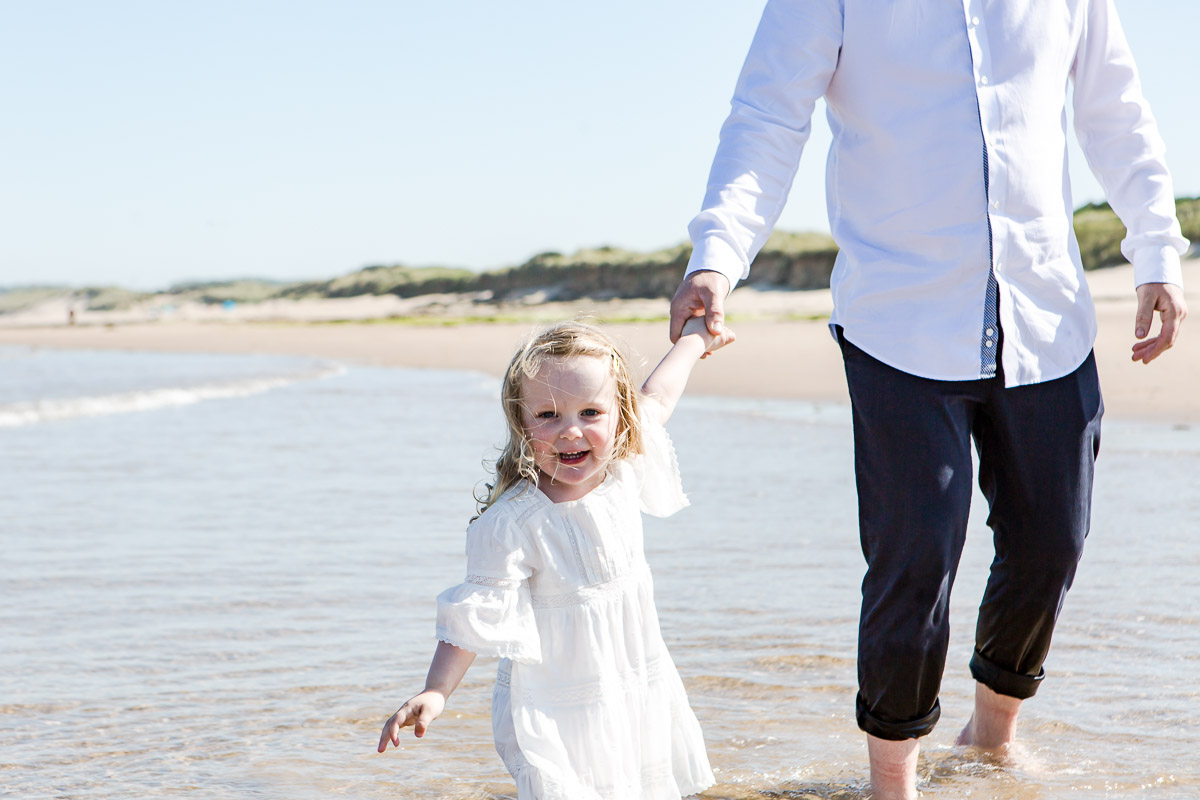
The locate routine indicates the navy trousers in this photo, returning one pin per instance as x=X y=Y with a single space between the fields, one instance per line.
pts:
x=1037 y=447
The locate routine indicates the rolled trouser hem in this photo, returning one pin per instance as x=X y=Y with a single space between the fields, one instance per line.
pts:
x=1002 y=681
x=896 y=731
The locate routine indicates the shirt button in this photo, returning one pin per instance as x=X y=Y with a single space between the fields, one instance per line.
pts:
x=984 y=80
x=974 y=21
x=995 y=204
x=989 y=332
x=988 y=343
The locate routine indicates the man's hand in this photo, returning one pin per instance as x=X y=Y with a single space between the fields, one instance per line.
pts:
x=701 y=294
x=1167 y=300
x=418 y=712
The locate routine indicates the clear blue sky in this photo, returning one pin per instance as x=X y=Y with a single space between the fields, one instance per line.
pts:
x=151 y=142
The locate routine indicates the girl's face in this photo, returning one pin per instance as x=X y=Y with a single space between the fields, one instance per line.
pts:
x=570 y=416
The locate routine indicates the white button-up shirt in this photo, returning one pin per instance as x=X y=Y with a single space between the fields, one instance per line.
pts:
x=947 y=177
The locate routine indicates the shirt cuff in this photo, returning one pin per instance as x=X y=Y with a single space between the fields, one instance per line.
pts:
x=1157 y=265
x=715 y=254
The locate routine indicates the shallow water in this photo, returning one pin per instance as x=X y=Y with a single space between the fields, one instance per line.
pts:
x=219 y=574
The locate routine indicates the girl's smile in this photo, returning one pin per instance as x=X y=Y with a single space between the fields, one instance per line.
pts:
x=570 y=416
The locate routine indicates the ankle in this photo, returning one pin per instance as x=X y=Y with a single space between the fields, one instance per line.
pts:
x=893 y=768
x=994 y=723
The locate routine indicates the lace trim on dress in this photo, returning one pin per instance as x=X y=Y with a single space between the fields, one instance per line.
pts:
x=573 y=538
x=525 y=501
x=590 y=594
x=499 y=583
x=511 y=651
x=668 y=445
x=678 y=481
x=518 y=767
x=645 y=675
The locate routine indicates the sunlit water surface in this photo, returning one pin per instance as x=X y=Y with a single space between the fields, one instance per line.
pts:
x=218 y=577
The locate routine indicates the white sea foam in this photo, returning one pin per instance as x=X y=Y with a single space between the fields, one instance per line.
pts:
x=16 y=415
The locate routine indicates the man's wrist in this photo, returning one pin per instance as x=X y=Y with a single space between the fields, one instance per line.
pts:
x=714 y=255
x=1157 y=264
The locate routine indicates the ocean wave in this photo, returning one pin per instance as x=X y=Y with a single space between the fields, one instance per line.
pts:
x=15 y=415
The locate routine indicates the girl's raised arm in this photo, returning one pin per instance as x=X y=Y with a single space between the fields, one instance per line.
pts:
x=666 y=383
x=449 y=665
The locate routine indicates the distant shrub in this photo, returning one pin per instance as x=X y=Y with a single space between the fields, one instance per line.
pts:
x=110 y=298
x=788 y=260
x=1188 y=211
x=19 y=298
x=1100 y=232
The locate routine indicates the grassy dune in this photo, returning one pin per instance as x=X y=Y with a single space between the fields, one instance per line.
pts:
x=789 y=260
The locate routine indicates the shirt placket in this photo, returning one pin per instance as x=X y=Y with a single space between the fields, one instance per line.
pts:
x=994 y=180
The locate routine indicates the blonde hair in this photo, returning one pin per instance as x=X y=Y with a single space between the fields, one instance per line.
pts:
x=564 y=340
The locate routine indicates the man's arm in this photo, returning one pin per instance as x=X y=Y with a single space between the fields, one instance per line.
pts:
x=1120 y=138
x=790 y=64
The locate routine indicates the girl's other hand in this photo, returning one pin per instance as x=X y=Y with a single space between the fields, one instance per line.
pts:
x=417 y=712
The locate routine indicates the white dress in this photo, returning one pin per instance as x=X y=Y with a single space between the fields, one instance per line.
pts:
x=588 y=704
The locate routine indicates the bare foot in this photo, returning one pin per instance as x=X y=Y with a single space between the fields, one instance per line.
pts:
x=993 y=726
x=893 y=768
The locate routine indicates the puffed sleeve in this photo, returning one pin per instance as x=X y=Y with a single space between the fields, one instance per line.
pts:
x=490 y=612
x=657 y=468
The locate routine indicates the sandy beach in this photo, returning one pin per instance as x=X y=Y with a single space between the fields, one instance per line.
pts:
x=784 y=349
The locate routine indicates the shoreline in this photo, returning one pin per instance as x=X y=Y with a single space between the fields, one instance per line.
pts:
x=784 y=349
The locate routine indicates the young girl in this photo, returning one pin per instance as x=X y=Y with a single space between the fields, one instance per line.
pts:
x=587 y=703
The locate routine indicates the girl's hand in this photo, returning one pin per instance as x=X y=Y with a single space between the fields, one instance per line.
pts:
x=727 y=336
x=696 y=325
x=418 y=712
x=449 y=665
